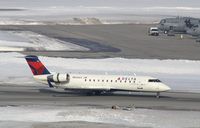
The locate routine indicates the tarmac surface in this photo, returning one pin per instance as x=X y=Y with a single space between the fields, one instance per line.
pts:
x=37 y=95
x=16 y=96
x=128 y=40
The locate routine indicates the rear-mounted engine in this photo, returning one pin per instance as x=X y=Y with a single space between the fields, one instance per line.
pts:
x=59 y=78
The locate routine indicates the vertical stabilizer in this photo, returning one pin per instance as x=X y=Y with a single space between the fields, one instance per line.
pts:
x=36 y=65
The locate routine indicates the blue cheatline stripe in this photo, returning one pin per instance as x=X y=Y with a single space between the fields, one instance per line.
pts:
x=45 y=71
x=32 y=58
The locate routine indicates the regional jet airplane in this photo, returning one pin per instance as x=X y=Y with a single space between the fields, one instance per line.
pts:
x=94 y=84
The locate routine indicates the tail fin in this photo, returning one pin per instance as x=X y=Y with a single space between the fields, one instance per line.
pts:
x=36 y=65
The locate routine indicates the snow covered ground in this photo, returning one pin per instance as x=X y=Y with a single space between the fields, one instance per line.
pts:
x=180 y=75
x=26 y=40
x=36 y=12
x=134 y=118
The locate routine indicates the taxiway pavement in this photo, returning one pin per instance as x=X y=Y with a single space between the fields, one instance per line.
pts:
x=40 y=95
x=126 y=40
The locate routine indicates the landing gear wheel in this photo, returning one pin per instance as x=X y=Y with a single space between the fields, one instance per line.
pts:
x=94 y=93
x=97 y=92
x=89 y=93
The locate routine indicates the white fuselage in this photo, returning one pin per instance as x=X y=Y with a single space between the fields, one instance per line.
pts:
x=109 y=83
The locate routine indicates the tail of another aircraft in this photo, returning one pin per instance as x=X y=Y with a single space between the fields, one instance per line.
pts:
x=36 y=65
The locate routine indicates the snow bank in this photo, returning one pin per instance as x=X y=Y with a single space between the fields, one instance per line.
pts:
x=15 y=49
x=153 y=66
x=21 y=12
x=10 y=21
x=143 y=117
x=107 y=14
x=26 y=40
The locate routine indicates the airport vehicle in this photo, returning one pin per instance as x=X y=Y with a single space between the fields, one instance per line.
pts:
x=153 y=31
x=194 y=31
x=178 y=24
x=94 y=84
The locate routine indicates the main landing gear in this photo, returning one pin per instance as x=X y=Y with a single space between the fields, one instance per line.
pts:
x=94 y=93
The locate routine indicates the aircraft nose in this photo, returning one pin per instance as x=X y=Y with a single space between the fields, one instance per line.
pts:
x=164 y=87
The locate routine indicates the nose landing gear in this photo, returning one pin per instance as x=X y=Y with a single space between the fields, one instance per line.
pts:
x=158 y=95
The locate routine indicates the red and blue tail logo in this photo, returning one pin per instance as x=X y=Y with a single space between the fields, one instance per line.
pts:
x=36 y=66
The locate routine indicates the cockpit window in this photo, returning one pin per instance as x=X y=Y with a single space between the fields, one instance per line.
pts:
x=154 y=80
x=163 y=21
x=154 y=29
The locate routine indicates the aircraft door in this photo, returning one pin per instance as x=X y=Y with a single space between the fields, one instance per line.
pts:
x=140 y=85
x=171 y=28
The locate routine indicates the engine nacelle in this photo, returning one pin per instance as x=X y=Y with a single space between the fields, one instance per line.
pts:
x=59 y=78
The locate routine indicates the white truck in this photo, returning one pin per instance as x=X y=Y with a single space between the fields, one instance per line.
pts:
x=153 y=31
